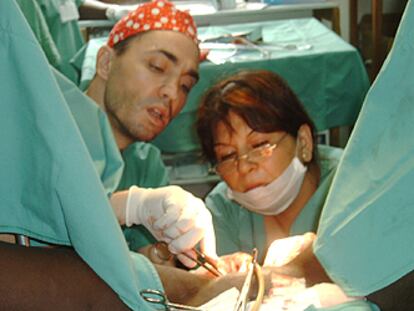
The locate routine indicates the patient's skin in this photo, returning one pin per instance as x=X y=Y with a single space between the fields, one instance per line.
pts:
x=195 y=289
x=37 y=278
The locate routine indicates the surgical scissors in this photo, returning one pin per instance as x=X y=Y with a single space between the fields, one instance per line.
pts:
x=158 y=297
x=243 y=296
x=202 y=260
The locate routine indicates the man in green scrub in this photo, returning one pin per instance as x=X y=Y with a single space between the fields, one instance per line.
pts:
x=140 y=164
x=142 y=81
x=144 y=166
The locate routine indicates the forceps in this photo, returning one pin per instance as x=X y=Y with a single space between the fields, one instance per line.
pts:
x=202 y=260
x=157 y=297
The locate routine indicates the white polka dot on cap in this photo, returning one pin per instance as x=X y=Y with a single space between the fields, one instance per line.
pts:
x=116 y=39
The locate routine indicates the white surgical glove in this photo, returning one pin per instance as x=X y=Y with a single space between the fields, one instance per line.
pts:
x=116 y=12
x=174 y=216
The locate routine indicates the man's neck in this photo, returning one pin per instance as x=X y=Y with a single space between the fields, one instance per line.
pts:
x=96 y=91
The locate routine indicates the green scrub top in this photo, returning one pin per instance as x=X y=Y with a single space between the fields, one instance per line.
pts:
x=238 y=229
x=357 y=305
x=143 y=163
x=96 y=133
x=66 y=35
x=50 y=189
x=37 y=22
x=365 y=237
x=143 y=167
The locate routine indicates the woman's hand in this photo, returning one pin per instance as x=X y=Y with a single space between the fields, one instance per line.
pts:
x=236 y=262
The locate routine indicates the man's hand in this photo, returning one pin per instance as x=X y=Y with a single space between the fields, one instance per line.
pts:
x=174 y=216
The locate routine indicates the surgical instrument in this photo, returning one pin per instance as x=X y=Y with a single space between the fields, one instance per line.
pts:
x=204 y=261
x=157 y=297
x=243 y=296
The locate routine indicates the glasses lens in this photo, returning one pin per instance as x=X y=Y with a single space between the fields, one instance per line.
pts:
x=261 y=152
x=255 y=155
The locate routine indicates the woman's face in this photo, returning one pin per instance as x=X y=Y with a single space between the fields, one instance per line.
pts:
x=249 y=174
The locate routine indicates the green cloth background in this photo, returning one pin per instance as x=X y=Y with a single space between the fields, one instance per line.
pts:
x=330 y=78
x=38 y=24
x=365 y=239
x=66 y=36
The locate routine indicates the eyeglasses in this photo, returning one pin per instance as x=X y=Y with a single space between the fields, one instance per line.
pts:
x=230 y=164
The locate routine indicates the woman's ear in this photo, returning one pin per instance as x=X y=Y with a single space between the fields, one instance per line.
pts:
x=306 y=145
x=104 y=61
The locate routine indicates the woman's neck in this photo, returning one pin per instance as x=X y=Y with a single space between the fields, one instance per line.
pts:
x=286 y=219
x=309 y=187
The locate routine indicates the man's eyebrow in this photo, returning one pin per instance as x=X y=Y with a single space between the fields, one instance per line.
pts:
x=194 y=74
x=169 y=55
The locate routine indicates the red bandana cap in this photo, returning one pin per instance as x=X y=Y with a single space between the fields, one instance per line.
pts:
x=154 y=15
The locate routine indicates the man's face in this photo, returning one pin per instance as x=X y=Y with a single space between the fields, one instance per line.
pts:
x=149 y=83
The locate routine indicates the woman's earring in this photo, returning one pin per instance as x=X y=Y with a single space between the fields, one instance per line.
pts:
x=305 y=156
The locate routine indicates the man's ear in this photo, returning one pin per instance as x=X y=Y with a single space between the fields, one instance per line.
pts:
x=103 y=61
x=306 y=145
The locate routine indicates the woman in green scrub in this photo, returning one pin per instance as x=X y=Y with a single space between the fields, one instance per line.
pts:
x=259 y=138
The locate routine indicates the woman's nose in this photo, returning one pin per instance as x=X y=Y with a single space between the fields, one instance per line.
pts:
x=244 y=165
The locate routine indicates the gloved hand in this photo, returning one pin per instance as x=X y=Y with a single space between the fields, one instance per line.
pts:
x=116 y=12
x=174 y=216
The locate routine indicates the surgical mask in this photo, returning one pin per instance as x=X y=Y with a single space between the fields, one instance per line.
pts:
x=276 y=197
